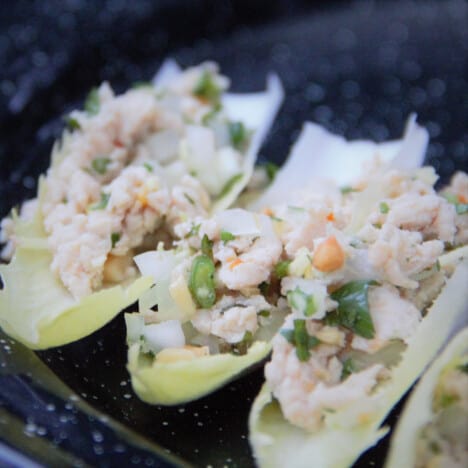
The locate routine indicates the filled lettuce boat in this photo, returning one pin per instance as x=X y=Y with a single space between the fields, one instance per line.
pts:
x=217 y=300
x=376 y=281
x=433 y=428
x=127 y=171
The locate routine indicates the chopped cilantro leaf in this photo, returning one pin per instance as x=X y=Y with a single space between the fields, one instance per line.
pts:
x=264 y=313
x=460 y=208
x=353 y=308
x=347 y=189
x=194 y=230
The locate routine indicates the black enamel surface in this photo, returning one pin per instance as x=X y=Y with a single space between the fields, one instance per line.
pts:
x=358 y=68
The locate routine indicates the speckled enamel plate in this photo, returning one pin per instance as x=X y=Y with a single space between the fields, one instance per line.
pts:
x=357 y=68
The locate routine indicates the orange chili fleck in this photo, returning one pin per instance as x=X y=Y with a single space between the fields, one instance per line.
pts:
x=235 y=263
x=462 y=199
x=268 y=212
x=330 y=217
x=231 y=259
x=141 y=197
x=118 y=143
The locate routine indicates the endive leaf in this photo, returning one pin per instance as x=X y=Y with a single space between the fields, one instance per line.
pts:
x=275 y=442
x=418 y=409
x=37 y=310
x=178 y=382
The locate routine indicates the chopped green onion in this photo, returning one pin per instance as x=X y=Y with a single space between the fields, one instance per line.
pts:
x=207 y=246
x=302 y=302
x=92 y=104
x=99 y=165
x=148 y=167
x=226 y=236
x=282 y=268
x=238 y=134
x=353 y=308
x=102 y=203
x=115 y=237
x=348 y=368
x=384 y=208
x=72 y=123
x=189 y=199
x=201 y=281
x=206 y=88
x=229 y=184
x=299 y=338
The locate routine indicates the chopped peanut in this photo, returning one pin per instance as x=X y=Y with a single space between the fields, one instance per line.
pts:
x=329 y=255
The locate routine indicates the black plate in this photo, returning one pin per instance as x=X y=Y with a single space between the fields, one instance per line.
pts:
x=357 y=68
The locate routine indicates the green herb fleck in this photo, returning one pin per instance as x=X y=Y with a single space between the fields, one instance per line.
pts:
x=264 y=313
x=148 y=167
x=189 y=199
x=102 y=203
x=207 y=246
x=302 y=302
x=206 y=88
x=353 y=308
x=463 y=368
x=115 y=237
x=271 y=170
x=226 y=236
x=237 y=134
x=99 y=165
x=347 y=189
x=384 y=208
x=201 y=281
x=92 y=104
x=264 y=288
x=299 y=338
x=72 y=123
x=348 y=368
x=194 y=231
x=142 y=84
x=209 y=116
x=282 y=268
x=230 y=184
x=446 y=400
